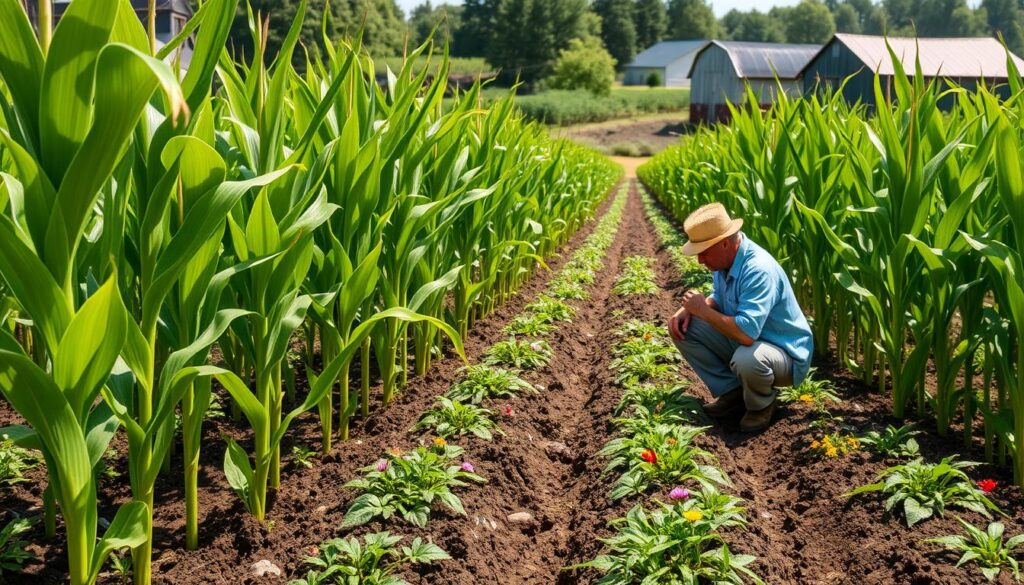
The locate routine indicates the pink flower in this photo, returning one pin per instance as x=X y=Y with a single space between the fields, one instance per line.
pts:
x=467 y=467
x=382 y=465
x=679 y=493
x=506 y=410
x=536 y=346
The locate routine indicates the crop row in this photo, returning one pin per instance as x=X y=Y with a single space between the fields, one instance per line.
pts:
x=407 y=485
x=912 y=487
x=902 y=230
x=147 y=218
x=679 y=539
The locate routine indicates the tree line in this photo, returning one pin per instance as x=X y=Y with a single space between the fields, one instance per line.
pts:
x=524 y=38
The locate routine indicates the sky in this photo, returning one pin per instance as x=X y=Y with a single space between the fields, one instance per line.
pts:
x=720 y=6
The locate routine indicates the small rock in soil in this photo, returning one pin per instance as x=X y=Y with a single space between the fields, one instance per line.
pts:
x=557 y=450
x=521 y=518
x=263 y=568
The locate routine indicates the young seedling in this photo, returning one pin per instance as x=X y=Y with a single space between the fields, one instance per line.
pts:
x=451 y=418
x=893 y=442
x=519 y=354
x=409 y=485
x=374 y=562
x=920 y=490
x=481 y=382
x=984 y=548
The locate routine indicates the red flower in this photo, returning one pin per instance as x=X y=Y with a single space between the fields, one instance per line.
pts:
x=506 y=410
x=987 y=485
x=649 y=456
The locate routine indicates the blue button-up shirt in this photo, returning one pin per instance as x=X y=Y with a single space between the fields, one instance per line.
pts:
x=756 y=292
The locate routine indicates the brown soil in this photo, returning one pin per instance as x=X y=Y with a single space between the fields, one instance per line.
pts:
x=648 y=134
x=801 y=528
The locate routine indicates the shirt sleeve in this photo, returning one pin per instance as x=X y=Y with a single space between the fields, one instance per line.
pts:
x=757 y=295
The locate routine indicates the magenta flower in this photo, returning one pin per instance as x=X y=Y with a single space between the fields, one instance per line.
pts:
x=679 y=493
x=382 y=465
x=467 y=467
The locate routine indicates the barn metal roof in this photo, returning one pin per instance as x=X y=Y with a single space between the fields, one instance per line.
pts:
x=946 y=57
x=665 y=53
x=765 y=60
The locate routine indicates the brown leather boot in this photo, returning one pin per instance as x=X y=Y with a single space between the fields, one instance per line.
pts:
x=757 y=420
x=726 y=403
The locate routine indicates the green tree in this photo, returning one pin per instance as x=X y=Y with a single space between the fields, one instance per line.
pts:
x=948 y=18
x=585 y=64
x=752 y=26
x=846 y=18
x=424 y=18
x=691 y=19
x=527 y=35
x=617 y=29
x=382 y=22
x=1006 y=17
x=809 y=22
x=475 y=28
x=650 y=21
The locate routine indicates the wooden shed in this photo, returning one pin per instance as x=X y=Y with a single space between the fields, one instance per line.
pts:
x=966 y=62
x=722 y=70
x=669 y=60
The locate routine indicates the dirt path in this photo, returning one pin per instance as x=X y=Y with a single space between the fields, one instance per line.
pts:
x=639 y=136
x=630 y=164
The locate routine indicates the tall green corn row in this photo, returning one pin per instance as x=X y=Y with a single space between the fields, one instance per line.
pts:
x=901 y=231
x=146 y=218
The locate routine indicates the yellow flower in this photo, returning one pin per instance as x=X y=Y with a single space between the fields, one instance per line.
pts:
x=439 y=442
x=853 y=442
x=831 y=452
x=693 y=515
x=815 y=444
x=395 y=451
x=806 y=398
x=826 y=441
x=670 y=441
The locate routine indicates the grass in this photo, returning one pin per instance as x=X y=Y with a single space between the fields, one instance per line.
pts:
x=561 y=107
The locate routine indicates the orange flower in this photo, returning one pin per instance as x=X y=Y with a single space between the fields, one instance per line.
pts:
x=439 y=442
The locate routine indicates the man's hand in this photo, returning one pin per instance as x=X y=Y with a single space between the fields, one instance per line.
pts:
x=678 y=324
x=695 y=303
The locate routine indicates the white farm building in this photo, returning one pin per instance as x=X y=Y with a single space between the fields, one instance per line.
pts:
x=669 y=60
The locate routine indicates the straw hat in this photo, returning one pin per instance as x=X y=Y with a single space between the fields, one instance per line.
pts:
x=707 y=226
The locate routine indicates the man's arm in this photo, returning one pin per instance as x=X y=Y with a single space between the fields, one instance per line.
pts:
x=696 y=305
x=680 y=321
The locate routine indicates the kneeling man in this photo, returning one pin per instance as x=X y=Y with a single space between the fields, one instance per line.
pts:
x=750 y=336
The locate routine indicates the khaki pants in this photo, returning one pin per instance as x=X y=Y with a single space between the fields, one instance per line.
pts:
x=725 y=365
